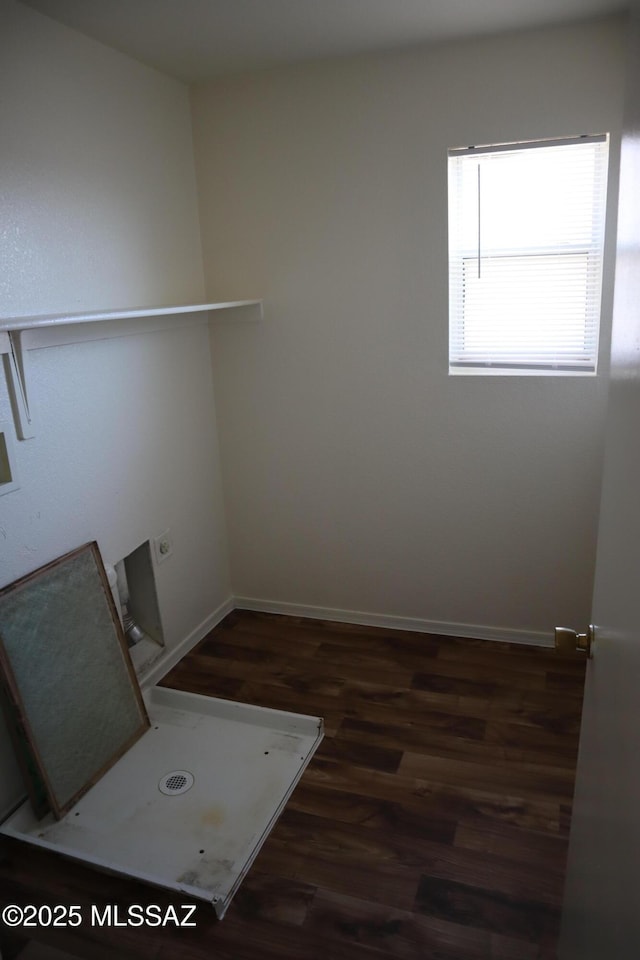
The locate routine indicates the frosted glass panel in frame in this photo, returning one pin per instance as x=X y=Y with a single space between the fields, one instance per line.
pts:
x=68 y=675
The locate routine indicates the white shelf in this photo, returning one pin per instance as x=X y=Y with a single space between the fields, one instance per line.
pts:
x=65 y=319
x=19 y=335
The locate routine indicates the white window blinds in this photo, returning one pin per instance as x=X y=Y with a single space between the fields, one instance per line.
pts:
x=526 y=235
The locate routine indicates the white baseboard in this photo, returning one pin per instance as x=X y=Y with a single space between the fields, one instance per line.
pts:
x=479 y=631
x=163 y=664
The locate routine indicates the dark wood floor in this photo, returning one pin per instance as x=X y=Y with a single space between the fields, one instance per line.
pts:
x=432 y=823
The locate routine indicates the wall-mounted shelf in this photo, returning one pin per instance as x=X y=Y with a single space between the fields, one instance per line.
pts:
x=18 y=335
x=65 y=319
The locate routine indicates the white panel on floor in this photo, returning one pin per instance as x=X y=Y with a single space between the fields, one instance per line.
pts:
x=201 y=836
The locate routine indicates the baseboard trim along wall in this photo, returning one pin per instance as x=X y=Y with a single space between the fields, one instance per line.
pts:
x=536 y=638
x=162 y=666
x=169 y=659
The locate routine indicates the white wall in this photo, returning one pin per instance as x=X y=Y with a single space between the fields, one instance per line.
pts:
x=358 y=475
x=99 y=211
x=97 y=190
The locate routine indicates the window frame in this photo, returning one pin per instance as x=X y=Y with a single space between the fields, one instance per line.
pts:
x=465 y=361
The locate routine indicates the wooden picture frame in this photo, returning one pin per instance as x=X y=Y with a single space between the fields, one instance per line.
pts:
x=72 y=698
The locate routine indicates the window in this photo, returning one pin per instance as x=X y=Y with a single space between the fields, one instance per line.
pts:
x=526 y=234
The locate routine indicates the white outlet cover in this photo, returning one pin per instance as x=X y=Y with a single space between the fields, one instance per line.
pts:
x=163 y=546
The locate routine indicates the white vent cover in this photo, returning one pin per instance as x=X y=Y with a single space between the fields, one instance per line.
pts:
x=175 y=783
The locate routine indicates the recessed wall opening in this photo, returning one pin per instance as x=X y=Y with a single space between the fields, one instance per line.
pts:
x=140 y=608
x=8 y=477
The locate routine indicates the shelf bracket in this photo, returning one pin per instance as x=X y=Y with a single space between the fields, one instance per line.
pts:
x=15 y=364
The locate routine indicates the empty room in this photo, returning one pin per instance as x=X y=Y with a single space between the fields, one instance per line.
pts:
x=319 y=336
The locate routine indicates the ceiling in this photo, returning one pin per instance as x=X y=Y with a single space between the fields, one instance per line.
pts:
x=196 y=39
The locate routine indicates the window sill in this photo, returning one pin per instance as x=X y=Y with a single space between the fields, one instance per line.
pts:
x=512 y=372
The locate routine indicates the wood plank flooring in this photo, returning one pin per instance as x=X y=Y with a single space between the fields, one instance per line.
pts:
x=432 y=823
